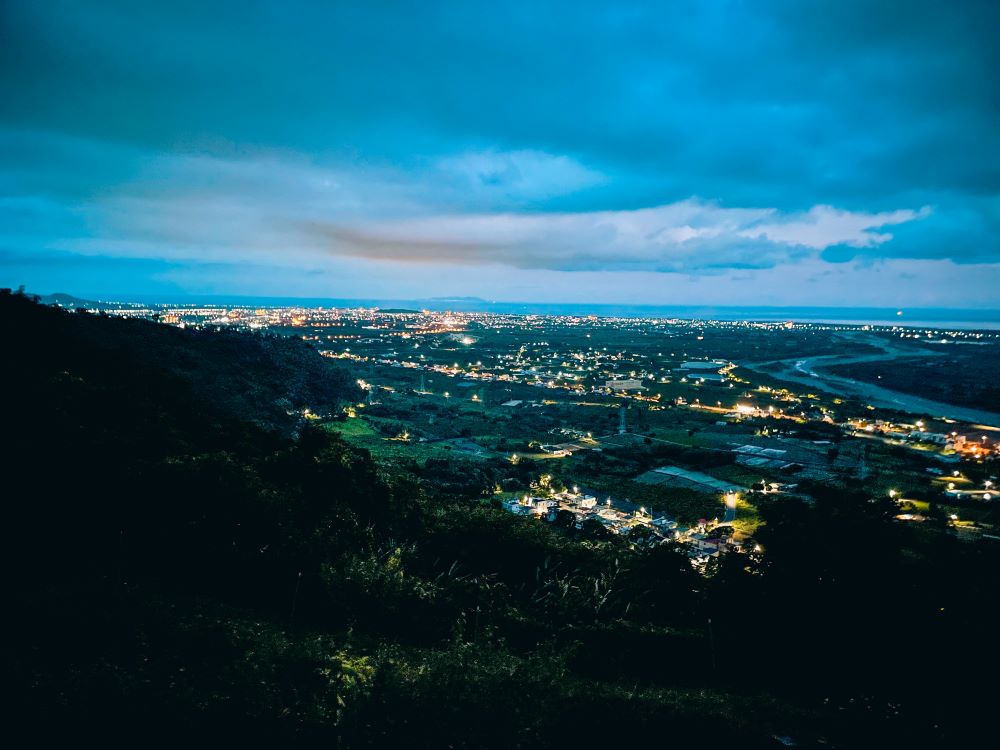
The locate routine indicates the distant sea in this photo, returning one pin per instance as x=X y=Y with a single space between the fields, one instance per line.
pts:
x=938 y=318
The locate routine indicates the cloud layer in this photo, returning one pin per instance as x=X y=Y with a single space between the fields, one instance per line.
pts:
x=690 y=236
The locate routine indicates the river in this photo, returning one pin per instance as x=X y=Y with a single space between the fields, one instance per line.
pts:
x=811 y=371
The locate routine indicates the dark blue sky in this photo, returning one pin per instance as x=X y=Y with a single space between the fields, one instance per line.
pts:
x=702 y=152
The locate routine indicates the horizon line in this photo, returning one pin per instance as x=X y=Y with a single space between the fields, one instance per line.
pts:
x=379 y=301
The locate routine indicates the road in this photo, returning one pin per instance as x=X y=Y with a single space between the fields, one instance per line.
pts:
x=808 y=371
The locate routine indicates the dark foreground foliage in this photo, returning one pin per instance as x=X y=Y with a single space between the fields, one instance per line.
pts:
x=179 y=572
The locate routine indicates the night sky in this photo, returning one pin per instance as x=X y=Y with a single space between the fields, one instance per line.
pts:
x=703 y=152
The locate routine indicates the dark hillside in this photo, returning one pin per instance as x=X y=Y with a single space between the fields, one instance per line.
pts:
x=236 y=375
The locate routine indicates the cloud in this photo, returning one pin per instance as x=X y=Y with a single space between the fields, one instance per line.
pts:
x=522 y=175
x=824 y=226
x=469 y=208
x=748 y=103
x=690 y=236
x=966 y=231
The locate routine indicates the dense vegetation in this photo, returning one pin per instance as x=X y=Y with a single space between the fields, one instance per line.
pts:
x=183 y=567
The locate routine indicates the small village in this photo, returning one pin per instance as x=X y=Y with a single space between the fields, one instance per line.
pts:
x=707 y=538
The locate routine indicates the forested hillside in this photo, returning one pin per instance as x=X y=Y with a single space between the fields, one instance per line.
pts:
x=262 y=379
x=186 y=564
